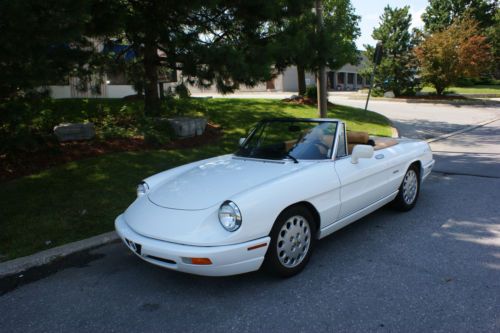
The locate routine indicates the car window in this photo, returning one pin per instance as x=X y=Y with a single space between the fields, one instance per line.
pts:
x=309 y=140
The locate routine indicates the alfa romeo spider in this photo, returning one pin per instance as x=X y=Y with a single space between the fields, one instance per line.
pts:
x=290 y=183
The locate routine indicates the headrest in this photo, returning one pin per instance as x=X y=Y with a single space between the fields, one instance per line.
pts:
x=357 y=137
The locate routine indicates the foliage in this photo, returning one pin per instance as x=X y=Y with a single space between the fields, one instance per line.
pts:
x=457 y=51
x=43 y=42
x=221 y=42
x=182 y=91
x=302 y=45
x=312 y=92
x=440 y=14
x=398 y=69
x=27 y=125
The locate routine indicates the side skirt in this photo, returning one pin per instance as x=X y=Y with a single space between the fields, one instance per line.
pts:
x=355 y=216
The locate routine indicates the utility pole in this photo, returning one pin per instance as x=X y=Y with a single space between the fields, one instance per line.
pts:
x=321 y=76
x=377 y=58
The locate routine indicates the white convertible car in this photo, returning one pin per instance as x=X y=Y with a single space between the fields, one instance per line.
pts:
x=291 y=183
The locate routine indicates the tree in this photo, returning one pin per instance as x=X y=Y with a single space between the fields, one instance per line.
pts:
x=301 y=45
x=42 y=42
x=440 y=14
x=397 y=71
x=221 y=42
x=457 y=51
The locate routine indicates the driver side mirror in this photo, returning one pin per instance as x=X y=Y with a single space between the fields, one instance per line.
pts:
x=361 y=151
x=242 y=140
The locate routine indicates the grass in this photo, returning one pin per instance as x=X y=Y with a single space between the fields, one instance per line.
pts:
x=82 y=198
x=477 y=89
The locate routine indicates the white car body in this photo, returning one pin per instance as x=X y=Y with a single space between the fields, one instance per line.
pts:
x=178 y=218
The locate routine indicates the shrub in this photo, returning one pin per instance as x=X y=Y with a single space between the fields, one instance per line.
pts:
x=312 y=92
x=157 y=131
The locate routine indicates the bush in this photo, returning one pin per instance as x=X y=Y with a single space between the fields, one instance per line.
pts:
x=182 y=91
x=157 y=131
x=312 y=92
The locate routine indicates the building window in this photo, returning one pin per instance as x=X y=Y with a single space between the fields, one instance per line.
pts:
x=350 y=78
x=340 y=78
x=360 y=80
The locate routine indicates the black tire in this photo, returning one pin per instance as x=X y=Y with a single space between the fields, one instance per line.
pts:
x=407 y=197
x=300 y=221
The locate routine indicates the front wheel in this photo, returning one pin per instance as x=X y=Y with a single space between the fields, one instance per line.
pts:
x=409 y=190
x=292 y=241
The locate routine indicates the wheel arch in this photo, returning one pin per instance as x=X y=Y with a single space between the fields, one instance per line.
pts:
x=420 y=168
x=314 y=212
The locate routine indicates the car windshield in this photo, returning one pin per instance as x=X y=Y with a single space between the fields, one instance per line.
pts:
x=290 y=139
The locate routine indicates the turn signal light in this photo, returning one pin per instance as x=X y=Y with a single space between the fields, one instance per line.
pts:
x=201 y=261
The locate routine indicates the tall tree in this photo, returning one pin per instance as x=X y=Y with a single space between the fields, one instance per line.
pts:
x=221 y=42
x=440 y=14
x=42 y=42
x=397 y=70
x=455 y=52
x=301 y=45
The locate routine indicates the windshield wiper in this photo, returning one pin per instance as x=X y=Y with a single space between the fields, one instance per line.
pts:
x=292 y=158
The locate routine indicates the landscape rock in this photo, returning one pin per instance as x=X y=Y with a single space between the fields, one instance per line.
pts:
x=185 y=127
x=389 y=94
x=74 y=131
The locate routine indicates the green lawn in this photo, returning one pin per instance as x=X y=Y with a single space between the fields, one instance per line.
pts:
x=82 y=198
x=478 y=89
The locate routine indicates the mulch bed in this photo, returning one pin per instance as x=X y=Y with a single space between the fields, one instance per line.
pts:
x=26 y=163
x=301 y=100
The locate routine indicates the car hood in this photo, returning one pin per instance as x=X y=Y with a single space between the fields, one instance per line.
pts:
x=213 y=182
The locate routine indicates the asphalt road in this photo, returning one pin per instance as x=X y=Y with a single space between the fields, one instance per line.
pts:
x=433 y=269
x=423 y=120
x=476 y=152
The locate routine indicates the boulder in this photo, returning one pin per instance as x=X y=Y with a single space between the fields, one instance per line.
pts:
x=185 y=127
x=389 y=94
x=74 y=131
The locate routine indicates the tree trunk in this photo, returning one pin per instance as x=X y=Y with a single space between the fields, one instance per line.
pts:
x=151 y=98
x=301 y=75
x=439 y=90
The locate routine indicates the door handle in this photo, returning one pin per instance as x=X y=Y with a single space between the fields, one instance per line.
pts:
x=379 y=156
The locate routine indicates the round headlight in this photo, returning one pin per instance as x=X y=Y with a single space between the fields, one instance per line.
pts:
x=230 y=216
x=142 y=189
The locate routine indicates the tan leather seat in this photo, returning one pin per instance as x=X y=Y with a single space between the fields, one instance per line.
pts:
x=381 y=143
x=356 y=138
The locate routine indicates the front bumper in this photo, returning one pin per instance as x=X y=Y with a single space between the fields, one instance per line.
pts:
x=226 y=260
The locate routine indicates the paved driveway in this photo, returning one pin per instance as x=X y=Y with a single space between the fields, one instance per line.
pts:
x=423 y=120
x=476 y=152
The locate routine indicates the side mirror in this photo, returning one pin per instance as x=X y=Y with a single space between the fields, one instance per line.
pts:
x=361 y=151
x=242 y=140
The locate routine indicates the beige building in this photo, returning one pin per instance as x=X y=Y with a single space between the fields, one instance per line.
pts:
x=346 y=78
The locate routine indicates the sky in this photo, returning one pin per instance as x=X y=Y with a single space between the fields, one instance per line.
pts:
x=370 y=11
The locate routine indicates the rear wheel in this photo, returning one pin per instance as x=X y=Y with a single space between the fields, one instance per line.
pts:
x=409 y=190
x=292 y=241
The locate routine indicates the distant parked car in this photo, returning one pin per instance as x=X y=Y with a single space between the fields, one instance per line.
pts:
x=291 y=183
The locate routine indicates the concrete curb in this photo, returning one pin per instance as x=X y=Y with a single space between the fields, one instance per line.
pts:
x=466 y=129
x=394 y=132
x=19 y=265
x=465 y=102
